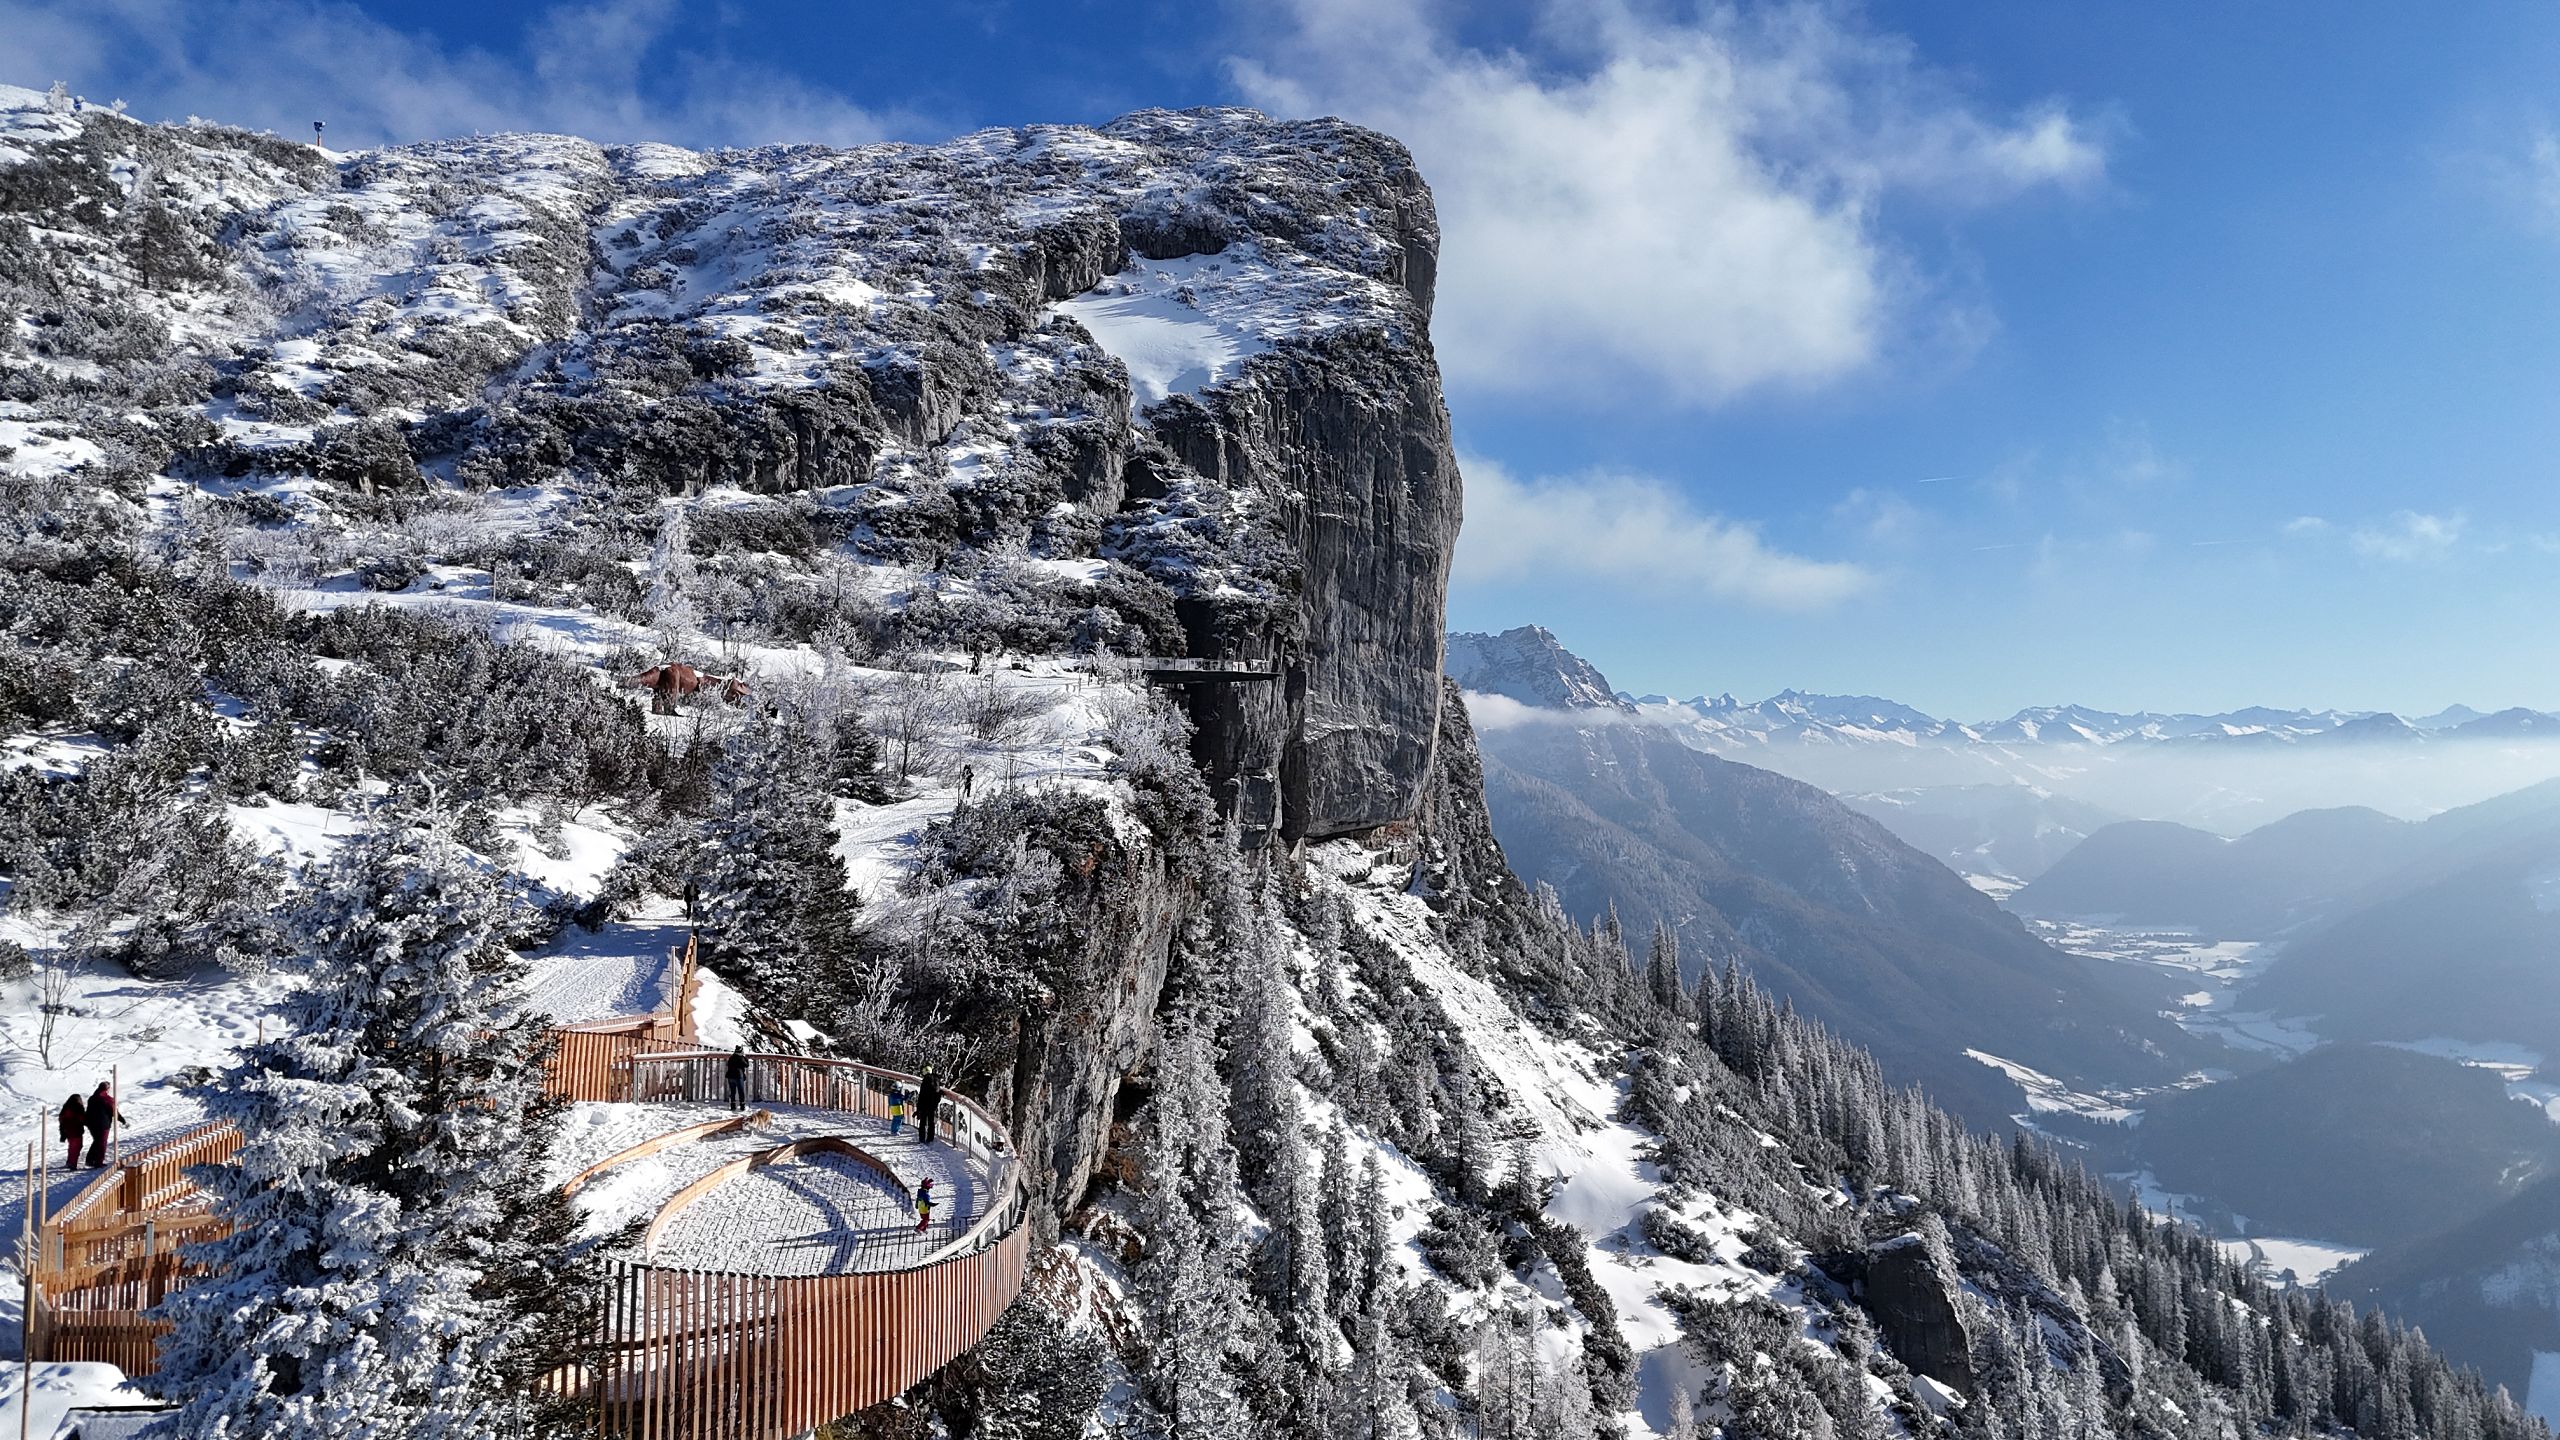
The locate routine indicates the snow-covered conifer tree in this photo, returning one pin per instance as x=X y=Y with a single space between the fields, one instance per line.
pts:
x=1662 y=970
x=673 y=613
x=1268 y=1121
x=775 y=904
x=1192 y=1299
x=388 y=1210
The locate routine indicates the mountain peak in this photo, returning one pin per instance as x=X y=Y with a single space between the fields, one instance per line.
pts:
x=1530 y=665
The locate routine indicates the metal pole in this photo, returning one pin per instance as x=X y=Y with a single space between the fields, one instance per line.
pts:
x=115 y=1089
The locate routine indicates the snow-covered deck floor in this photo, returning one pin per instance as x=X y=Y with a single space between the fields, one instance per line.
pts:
x=815 y=1215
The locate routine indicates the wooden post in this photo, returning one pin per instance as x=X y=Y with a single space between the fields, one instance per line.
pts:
x=115 y=1088
x=27 y=1317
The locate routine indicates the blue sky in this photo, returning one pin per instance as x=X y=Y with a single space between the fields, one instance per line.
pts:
x=2135 y=354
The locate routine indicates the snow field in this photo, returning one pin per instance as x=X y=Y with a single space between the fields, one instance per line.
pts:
x=2311 y=1261
x=2219 y=968
x=1148 y=318
x=622 y=968
x=2048 y=1096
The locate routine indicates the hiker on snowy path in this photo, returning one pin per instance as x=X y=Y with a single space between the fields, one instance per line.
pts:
x=897 y=1106
x=928 y=1105
x=100 y=1113
x=738 y=1078
x=924 y=1204
x=74 y=1123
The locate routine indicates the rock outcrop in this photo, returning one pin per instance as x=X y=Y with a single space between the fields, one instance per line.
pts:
x=1069 y=1057
x=1909 y=1285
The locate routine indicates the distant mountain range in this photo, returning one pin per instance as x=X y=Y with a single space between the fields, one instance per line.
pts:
x=2004 y=798
x=1828 y=907
x=1795 y=716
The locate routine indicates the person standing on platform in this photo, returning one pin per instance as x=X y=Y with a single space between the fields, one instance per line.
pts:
x=928 y=1105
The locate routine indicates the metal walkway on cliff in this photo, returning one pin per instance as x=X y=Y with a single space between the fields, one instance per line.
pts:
x=1192 y=670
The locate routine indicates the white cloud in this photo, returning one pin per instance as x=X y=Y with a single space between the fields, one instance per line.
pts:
x=2306 y=525
x=1689 y=204
x=1879 y=517
x=2409 y=535
x=2541 y=179
x=281 y=64
x=2524 y=180
x=1488 y=712
x=1635 y=532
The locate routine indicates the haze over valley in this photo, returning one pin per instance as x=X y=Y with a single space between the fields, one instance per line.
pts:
x=2320 y=1037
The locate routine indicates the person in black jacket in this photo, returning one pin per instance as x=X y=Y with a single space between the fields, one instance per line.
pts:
x=738 y=1078
x=928 y=1105
x=73 y=1124
x=100 y=1113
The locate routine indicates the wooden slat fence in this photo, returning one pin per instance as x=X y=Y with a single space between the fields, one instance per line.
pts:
x=693 y=1354
x=686 y=1353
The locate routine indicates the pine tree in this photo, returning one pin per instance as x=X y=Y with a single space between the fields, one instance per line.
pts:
x=673 y=613
x=1345 y=1273
x=1292 y=1276
x=393 y=1268
x=1684 y=1417
x=774 y=897
x=1188 y=1291
x=1662 y=970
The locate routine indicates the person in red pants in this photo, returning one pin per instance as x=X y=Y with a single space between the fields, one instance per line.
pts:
x=73 y=1124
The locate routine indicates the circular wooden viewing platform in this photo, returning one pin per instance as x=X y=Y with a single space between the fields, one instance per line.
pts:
x=781 y=1282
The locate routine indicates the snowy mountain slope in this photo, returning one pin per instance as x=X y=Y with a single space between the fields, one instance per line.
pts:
x=490 y=337
x=2488 y=1290
x=349 y=494
x=2012 y=833
x=1529 y=666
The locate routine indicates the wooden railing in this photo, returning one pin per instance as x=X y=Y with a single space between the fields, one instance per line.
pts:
x=684 y=1353
x=112 y=1252
x=694 y=1354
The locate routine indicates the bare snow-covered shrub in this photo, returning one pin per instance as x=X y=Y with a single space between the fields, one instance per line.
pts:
x=1001 y=715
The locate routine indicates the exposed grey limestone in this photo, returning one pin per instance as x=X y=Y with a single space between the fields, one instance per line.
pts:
x=887 y=335
x=1910 y=1287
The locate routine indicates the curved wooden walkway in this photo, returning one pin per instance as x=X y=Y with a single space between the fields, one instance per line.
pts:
x=682 y=1352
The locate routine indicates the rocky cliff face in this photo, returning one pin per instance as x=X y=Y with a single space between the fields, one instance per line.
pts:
x=1063 y=1083
x=1349 y=444
x=1181 y=355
